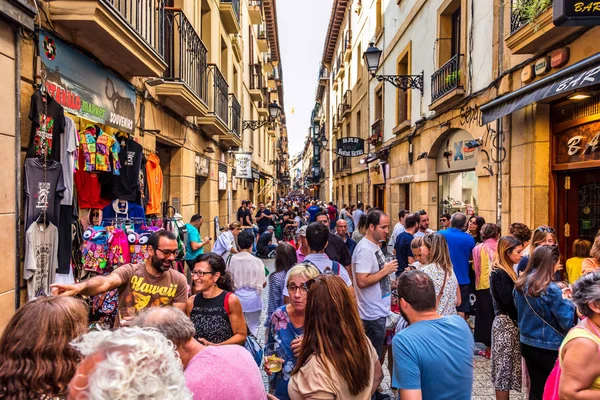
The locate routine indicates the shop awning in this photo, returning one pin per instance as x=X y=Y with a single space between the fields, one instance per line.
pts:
x=575 y=77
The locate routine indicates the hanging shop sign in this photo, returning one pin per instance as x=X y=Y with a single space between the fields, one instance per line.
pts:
x=454 y=155
x=85 y=89
x=578 y=144
x=222 y=176
x=243 y=165
x=576 y=12
x=350 y=147
x=255 y=174
x=202 y=165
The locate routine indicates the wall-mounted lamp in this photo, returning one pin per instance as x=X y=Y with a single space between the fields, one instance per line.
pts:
x=209 y=150
x=471 y=144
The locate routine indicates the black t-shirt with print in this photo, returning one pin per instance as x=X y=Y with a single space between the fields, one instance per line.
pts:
x=126 y=185
x=44 y=109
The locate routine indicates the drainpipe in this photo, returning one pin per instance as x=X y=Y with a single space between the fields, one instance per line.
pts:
x=18 y=168
x=499 y=124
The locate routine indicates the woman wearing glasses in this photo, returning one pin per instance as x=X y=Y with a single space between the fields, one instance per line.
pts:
x=337 y=360
x=287 y=327
x=215 y=311
x=542 y=236
x=545 y=315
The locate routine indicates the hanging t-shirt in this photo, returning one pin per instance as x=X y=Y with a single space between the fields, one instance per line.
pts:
x=40 y=194
x=142 y=194
x=45 y=112
x=41 y=258
x=68 y=150
x=154 y=176
x=127 y=185
x=140 y=289
x=88 y=187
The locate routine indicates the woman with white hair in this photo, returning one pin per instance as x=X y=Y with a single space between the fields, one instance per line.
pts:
x=287 y=326
x=579 y=353
x=129 y=363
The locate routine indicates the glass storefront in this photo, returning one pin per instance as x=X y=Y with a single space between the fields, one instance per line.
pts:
x=458 y=192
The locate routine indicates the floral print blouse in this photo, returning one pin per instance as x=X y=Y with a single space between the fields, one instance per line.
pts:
x=282 y=331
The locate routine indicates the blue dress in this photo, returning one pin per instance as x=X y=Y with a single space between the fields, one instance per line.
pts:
x=282 y=331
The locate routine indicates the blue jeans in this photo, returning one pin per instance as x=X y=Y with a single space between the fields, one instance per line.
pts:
x=375 y=331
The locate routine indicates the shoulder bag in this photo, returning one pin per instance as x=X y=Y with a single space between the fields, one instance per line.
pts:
x=441 y=293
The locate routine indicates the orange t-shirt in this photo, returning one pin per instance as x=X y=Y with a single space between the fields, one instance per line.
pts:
x=155 y=184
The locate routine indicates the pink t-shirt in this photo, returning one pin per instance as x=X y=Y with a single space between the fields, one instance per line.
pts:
x=223 y=373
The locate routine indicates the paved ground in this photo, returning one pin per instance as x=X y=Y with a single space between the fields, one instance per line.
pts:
x=482 y=385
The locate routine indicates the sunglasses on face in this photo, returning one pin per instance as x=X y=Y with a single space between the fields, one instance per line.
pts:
x=443 y=220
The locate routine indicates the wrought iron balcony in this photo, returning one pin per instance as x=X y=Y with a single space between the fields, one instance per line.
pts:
x=185 y=54
x=323 y=72
x=346 y=103
x=446 y=79
x=230 y=15
x=220 y=103
x=236 y=114
x=256 y=77
x=521 y=12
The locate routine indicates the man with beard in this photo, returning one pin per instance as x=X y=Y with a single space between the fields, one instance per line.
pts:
x=148 y=284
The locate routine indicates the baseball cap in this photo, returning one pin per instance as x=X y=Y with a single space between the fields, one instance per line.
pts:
x=302 y=231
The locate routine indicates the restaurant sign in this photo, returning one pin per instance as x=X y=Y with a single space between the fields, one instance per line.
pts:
x=85 y=89
x=576 y=13
x=350 y=147
x=578 y=144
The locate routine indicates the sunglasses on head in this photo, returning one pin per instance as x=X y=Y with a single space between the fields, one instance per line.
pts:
x=547 y=229
x=422 y=212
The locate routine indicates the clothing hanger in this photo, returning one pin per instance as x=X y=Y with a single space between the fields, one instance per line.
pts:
x=42 y=221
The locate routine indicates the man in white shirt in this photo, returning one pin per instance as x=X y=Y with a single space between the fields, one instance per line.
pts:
x=371 y=276
x=317 y=237
x=398 y=229
x=423 y=224
x=357 y=213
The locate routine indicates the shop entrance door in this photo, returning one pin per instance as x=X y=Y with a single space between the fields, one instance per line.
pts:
x=578 y=212
x=380 y=197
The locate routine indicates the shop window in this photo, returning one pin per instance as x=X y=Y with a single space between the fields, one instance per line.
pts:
x=458 y=192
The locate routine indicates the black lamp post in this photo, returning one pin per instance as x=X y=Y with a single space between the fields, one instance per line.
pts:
x=323 y=140
x=274 y=113
x=372 y=56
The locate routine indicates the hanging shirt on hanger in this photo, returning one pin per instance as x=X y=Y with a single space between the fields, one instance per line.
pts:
x=143 y=195
x=154 y=176
x=88 y=187
x=41 y=258
x=123 y=209
x=100 y=150
x=127 y=184
x=45 y=111
x=40 y=194
x=68 y=150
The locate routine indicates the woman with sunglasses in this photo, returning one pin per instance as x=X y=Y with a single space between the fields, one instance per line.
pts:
x=215 y=311
x=506 y=355
x=286 y=327
x=545 y=315
x=542 y=236
x=337 y=360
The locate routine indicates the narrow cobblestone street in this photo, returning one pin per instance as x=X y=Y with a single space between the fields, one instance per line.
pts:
x=482 y=385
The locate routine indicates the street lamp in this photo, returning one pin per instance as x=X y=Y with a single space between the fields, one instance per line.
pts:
x=274 y=113
x=372 y=56
x=323 y=140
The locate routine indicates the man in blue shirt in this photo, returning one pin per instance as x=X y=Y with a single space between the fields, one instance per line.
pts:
x=193 y=245
x=312 y=211
x=461 y=246
x=403 y=249
x=433 y=357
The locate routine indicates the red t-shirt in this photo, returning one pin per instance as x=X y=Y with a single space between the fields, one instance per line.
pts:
x=332 y=213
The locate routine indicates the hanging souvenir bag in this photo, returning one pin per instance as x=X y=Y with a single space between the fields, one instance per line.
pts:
x=94 y=255
x=138 y=246
x=118 y=248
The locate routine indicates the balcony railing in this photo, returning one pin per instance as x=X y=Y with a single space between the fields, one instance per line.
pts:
x=146 y=17
x=376 y=132
x=446 y=79
x=255 y=3
x=523 y=12
x=236 y=7
x=262 y=31
x=220 y=101
x=348 y=40
x=347 y=102
x=256 y=77
x=185 y=53
x=323 y=72
x=236 y=113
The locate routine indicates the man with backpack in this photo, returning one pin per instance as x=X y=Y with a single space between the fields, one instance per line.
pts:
x=317 y=237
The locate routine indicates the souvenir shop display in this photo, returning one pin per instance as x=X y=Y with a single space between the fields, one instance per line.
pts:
x=126 y=185
x=47 y=124
x=154 y=177
x=41 y=258
x=44 y=187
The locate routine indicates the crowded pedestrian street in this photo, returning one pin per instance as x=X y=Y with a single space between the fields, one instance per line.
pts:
x=300 y=200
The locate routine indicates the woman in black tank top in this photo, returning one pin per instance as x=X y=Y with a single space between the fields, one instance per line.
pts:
x=215 y=311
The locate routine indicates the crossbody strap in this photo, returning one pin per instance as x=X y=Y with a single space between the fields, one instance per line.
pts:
x=439 y=296
x=543 y=320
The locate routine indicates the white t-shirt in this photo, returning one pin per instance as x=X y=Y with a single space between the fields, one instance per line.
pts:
x=322 y=262
x=225 y=242
x=374 y=301
x=418 y=233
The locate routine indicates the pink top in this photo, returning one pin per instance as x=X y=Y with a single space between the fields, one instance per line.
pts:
x=223 y=373
x=300 y=256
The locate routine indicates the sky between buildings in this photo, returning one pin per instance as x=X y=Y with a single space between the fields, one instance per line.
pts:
x=302 y=28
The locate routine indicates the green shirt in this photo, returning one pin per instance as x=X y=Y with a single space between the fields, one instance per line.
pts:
x=192 y=236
